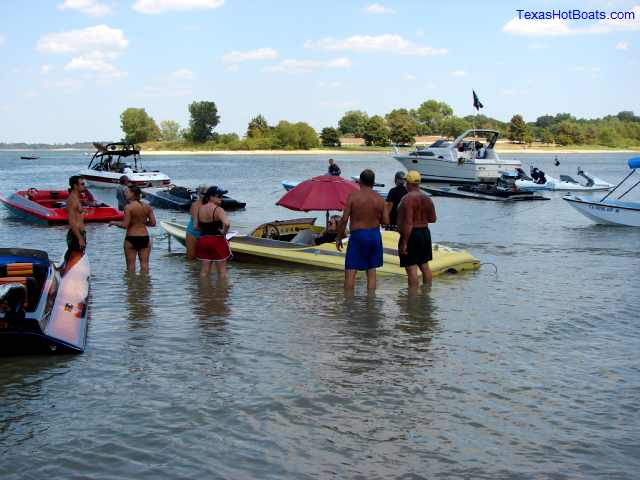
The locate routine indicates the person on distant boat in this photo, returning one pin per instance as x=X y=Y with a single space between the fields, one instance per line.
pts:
x=121 y=192
x=556 y=162
x=192 y=233
x=137 y=217
x=334 y=169
x=76 y=236
x=365 y=208
x=330 y=233
x=212 y=247
x=481 y=151
x=393 y=200
x=415 y=213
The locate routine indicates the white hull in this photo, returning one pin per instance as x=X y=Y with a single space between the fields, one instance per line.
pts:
x=614 y=212
x=560 y=186
x=96 y=178
x=445 y=170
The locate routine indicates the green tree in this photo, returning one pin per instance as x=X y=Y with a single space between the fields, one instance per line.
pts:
x=402 y=127
x=518 y=130
x=330 y=137
x=607 y=136
x=204 y=118
x=546 y=136
x=353 y=123
x=545 y=121
x=452 y=127
x=169 y=130
x=567 y=132
x=295 y=136
x=258 y=127
x=376 y=132
x=138 y=126
x=431 y=114
x=307 y=136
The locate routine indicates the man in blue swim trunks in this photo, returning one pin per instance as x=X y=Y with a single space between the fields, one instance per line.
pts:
x=365 y=209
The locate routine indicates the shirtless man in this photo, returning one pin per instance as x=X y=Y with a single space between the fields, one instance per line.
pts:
x=366 y=210
x=76 y=236
x=137 y=216
x=415 y=213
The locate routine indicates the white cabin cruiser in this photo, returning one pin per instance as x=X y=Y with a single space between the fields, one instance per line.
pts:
x=109 y=163
x=610 y=211
x=538 y=180
x=469 y=158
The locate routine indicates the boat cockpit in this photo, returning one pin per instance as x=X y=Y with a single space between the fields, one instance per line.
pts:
x=111 y=158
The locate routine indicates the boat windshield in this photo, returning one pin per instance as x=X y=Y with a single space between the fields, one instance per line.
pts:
x=440 y=144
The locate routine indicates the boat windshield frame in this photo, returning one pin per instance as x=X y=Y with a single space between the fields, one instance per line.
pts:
x=491 y=137
x=117 y=151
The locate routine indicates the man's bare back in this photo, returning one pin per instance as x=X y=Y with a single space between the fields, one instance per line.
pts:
x=74 y=211
x=416 y=210
x=365 y=209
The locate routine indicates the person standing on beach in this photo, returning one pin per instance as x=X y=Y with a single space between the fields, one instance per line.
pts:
x=76 y=236
x=415 y=212
x=192 y=234
x=212 y=246
x=137 y=217
x=393 y=200
x=121 y=192
x=334 y=169
x=365 y=208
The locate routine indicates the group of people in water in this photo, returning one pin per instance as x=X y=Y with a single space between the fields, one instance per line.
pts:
x=406 y=209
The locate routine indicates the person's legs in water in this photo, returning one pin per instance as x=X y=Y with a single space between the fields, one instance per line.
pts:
x=350 y=279
x=412 y=275
x=371 y=279
x=427 y=276
x=130 y=255
x=221 y=270
x=143 y=255
x=191 y=247
x=205 y=268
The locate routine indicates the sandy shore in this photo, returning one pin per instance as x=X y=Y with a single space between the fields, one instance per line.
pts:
x=555 y=151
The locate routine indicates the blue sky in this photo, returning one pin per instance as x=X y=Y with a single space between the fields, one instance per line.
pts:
x=69 y=67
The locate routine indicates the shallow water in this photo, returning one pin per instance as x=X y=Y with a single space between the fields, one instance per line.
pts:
x=532 y=372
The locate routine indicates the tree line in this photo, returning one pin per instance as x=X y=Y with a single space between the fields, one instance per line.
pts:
x=400 y=126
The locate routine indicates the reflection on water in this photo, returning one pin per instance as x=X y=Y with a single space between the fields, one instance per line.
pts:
x=279 y=374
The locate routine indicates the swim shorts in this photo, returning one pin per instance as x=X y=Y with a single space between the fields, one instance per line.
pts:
x=418 y=248
x=364 y=250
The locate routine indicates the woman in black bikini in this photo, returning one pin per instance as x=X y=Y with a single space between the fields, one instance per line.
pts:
x=212 y=246
x=137 y=217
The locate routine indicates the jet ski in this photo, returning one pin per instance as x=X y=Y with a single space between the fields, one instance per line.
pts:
x=43 y=308
x=538 y=180
x=181 y=198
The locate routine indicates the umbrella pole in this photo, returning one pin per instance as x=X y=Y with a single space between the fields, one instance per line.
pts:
x=326 y=223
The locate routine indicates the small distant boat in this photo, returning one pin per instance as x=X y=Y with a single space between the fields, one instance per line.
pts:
x=539 y=181
x=49 y=206
x=28 y=157
x=181 y=198
x=109 y=163
x=610 y=211
x=291 y=241
x=504 y=190
x=45 y=307
x=469 y=158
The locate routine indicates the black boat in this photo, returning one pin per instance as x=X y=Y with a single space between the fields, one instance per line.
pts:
x=181 y=198
x=28 y=157
x=43 y=308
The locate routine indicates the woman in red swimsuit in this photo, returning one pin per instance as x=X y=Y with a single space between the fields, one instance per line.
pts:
x=212 y=246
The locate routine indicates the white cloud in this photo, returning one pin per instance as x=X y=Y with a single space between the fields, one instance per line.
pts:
x=459 y=73
x=97 y=63
x=387 y=43
x=249 y=55
x=622 y=46
x=181 y=74
x=100 y=37
x=155 y=7
x=92 y=8
x=305 y=66
x=410 y=77
x=377 y=9
x=45 y=69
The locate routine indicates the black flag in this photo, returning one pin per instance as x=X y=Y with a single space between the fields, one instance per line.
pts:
x=476 y=101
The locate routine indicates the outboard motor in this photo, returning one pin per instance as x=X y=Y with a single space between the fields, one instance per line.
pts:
x=12 y=300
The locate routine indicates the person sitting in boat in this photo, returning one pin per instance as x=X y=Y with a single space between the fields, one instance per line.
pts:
x=481 y=152
x=330 y=233
x=541 y=178
x=334 y=169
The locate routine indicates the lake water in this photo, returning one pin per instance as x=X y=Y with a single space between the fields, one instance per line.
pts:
x=530 y=372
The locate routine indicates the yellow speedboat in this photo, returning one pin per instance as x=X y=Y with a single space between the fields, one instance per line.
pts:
x=292 y=241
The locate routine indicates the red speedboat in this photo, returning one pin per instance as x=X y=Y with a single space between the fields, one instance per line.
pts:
x=49 y=206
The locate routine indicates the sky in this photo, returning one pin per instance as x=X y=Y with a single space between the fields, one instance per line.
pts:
x=68 y=68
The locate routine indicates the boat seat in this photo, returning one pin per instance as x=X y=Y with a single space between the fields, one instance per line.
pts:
x=29 y=284
x=304 y=237
x=31 y=275
x=13 y=301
